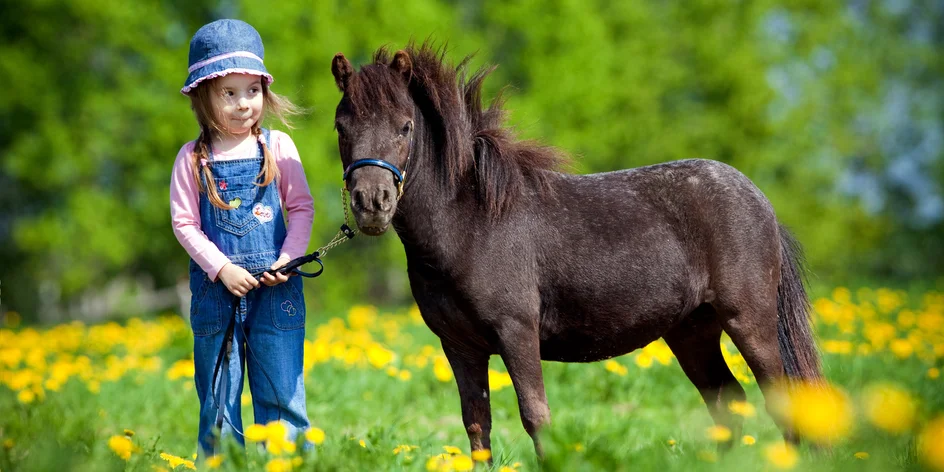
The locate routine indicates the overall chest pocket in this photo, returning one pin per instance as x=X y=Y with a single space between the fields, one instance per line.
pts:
x=250 y=208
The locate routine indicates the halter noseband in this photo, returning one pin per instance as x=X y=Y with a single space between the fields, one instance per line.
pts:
x=398 y=176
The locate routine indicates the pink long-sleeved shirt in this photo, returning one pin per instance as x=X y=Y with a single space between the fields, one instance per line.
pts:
x=293 y=190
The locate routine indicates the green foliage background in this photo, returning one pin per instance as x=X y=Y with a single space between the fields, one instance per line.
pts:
x=820 y=103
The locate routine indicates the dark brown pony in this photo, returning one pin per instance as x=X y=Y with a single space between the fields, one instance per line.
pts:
x=507 y=255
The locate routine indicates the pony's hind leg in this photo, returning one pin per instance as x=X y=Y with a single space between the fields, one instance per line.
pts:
x=753 y=329
x=471 y=372
x=696 y=343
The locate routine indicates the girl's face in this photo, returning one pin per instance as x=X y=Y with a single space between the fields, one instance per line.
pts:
x=239 y=102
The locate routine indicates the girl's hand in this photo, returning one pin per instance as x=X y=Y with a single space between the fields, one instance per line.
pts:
x=237 y=280
x=276 y=279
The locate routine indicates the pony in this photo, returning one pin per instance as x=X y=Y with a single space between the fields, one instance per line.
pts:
x=510 y=254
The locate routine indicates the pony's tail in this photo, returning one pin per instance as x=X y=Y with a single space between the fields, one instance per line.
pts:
x=797 y=346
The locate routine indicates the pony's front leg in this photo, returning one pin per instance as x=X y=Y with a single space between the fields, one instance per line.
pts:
x=520 y=349
x=471 y=370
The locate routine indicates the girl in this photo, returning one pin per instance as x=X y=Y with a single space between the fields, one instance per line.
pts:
x=227 y=194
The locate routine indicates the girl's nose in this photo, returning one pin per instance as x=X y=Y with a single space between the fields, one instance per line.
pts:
x=243 y=103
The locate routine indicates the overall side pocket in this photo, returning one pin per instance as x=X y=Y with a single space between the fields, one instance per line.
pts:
x=205 y=316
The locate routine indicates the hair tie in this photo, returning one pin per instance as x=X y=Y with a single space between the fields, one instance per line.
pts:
x=203 y=162
x=260 y=138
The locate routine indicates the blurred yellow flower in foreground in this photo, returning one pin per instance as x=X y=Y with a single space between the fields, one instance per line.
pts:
x=279 y=465
x=481 y=455
x=498 y=380
x=441 y=369
x=744 y=409
x=255 y=433
x=748 y=440
x=214 y=462
x=615 y=367
x=931 y=444
x=782 y=455
x=889 y=408
x=315 y=436
x=174 y=461
x=819 y=412
x=718 y=433
x=121 y=446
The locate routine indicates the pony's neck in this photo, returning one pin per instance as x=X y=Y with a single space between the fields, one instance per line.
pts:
x=432 y=218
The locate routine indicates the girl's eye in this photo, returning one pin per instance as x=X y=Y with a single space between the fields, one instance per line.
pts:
x=253 y=90
x=229 y=93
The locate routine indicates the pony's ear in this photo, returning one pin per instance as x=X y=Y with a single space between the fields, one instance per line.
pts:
x=403 y=64
x=342 y=70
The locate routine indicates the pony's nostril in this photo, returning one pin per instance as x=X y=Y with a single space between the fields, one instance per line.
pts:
x=385 y=200
x=358 y=200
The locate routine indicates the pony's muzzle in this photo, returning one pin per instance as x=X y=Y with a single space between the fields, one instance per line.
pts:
x=373 y=208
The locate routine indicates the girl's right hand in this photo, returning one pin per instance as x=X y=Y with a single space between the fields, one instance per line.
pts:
x=237 y=280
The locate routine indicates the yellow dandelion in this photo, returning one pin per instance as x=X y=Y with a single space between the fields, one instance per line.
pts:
x=379 y=356
x=861 y=455
x=315 y=436
x=890 y=408
x=782 y=455
x=671 y=442
x=441 y=369
x=121 y=446
x=405 y=375
x=174 y=461
x=279 y=465
x=452 y=450
x=929 y=444
x=297 y=462
x=436 y=463
x=644 y=360
x=26 y=396
x=362 y=443
x=820 y=413
x=748 y=440
x=255 y=433
x=481 y=455
x=718 y=433
x=462 y=463
x=615 y=367
x=744 y=409
x=129 y=433
x=578 y=447
x=214 y=462
x=902 y=348
x=403 y=448
x=505 y=468
x=8 y=444
x=498 y=380
x=934 y=373
x=276 y=431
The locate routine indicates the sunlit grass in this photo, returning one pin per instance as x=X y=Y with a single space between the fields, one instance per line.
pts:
x=381 y=396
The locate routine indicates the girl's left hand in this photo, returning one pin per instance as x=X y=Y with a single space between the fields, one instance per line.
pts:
x=276 y=279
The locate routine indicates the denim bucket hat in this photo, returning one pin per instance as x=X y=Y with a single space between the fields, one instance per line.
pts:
x=225 y=47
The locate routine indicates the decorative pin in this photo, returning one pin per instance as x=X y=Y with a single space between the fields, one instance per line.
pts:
x=263 y=213
x=235 y=202
x=223 y=185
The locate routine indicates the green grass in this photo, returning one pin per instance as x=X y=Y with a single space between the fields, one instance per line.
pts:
x=648 y=419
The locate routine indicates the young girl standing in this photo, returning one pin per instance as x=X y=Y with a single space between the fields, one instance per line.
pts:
x=228 y=193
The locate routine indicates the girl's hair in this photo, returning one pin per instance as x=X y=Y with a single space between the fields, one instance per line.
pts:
x=211 y=122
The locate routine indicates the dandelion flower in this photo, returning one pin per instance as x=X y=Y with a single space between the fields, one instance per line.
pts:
x=174 y=461
x=929 y=444
x=256 y=433
x=362 y=443
x=481 y=455
x=441 y=369
x=121 y=446
x=744 y=409
x=820 y=413
x=861 y=455
x=278 y=465
x=718 y=433
x=615 y=367
x=934 y=373
x=462 y=463
x=782 y=455
x=452 y=450
x=214 y=462
x=890 y=408
x=315 y=436
x=748 y=440
x=671 y=442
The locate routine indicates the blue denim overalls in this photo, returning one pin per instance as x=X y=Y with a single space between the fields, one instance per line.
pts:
x=270 y=321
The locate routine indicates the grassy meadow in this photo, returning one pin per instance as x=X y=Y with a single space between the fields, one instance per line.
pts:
x=120 y=396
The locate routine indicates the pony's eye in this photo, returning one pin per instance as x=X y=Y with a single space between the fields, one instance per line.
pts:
x=339 y=128
x=407 y=127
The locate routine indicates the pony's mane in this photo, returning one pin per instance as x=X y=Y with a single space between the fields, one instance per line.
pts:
x=473 y=141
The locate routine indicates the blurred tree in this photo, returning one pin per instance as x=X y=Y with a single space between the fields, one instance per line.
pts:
x=834 y=109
